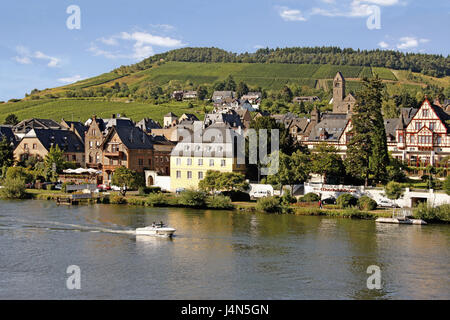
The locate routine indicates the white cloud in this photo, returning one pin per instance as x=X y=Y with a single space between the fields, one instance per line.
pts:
x=291 y=14
x=410 y=42
x=70 y=79
x=142 y=47
x=109 y=41
x=22 y=60
x=351 y=9
x=26 y=57
x=383 y=44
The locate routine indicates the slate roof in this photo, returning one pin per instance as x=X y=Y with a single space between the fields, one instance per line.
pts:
x=67 y=140
x=78 y=126
x=216 y=141
x=333 y=129
x=390 y=126
x=148 y=124
x=230 y=118
x=132 y=137
x=35 y=123
x=6 y=132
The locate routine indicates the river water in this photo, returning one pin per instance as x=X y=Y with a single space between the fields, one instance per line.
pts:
x=214 y=255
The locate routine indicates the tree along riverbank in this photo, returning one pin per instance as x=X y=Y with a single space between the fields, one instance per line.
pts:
x=194 y=200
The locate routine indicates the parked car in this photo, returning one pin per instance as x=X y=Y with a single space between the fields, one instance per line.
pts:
x=260 y=194
x=115 y=188
x=103 y=187
x=58 y=186
x=387 y=204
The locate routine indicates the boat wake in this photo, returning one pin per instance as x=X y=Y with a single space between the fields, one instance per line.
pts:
x=57 y=226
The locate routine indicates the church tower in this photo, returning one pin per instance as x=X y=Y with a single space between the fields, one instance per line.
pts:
x=338 y=92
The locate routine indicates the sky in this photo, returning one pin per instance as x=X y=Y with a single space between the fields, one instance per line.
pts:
x=50 y=43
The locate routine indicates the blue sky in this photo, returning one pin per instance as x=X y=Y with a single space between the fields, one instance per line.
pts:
x=38 y=50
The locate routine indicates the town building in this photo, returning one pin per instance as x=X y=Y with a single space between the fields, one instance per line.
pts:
x=148 y=125
x=254 y=98
x=223 y=97
x=126 y=146
x=38 y=142
x=170 y=120
x=342 y=103
x=422 y=136
x=213 y=148
x=305 y=99
x=97 y=129
x=25 y=126
x=77 y=127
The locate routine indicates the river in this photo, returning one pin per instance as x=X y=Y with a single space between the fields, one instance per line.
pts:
x=214 y=255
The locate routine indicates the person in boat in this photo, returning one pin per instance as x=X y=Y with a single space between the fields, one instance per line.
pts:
x=153 y=224
x=161 y=224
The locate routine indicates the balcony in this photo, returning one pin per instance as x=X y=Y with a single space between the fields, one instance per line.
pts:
x=113 y=154
x=110 y=167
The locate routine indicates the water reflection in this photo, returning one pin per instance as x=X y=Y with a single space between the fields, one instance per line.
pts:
x=215 y=254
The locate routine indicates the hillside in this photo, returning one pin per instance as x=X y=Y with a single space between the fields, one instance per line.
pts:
x=97 y=96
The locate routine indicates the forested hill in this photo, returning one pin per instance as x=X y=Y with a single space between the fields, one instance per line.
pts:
x=427 y=64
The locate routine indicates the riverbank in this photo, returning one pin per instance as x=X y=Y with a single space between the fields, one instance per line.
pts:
x=171 y=200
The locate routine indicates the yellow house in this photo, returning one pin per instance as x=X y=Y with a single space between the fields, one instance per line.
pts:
x=191 y=159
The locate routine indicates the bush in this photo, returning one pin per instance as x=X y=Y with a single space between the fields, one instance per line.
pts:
x=237 y=195
x=192 y=198
x=310 y=197
x=430 y=214
x=366 y=203
x=13 y=189
x=156 y=200
x=219 y=202
x=136 y=202
x=147 y=190
x=447 y=185
x=346 y=200
x=287 y=198
x=19 y=173
x=117 y=199
x=269 y=205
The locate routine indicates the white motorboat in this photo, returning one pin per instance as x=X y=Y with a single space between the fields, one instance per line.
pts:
x=156 y=230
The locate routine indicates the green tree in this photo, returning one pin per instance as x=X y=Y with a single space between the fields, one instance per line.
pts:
x=6 y=153
x=447 y=185
x=11 y=119
x=292 y=170
x=126 y=179
x=230 y=85
x=54 y=162
x=326 y=161
x=13 y=188
x=286 y=94
x=393 y=190
x=19 y=173
x=202 y=92
x=242 y=89
x=367 y=151
x=223 y=181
